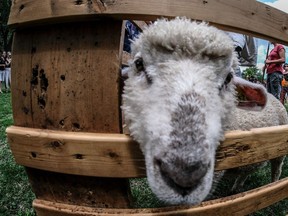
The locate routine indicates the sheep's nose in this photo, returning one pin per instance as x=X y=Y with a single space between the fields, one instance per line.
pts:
x=180 y=175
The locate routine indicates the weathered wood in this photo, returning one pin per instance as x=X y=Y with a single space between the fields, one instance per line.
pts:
x=247 y=147
x=66 y=77
x=77 y=153
x=239 y=204
x=80 y=190
x=105 y=154
x=246 y=16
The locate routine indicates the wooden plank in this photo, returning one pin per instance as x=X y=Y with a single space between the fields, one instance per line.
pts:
x=80 y=190
x=105 y=154
x=239 y=204
x=246 y=16
x=77 y=153
x=20 y=83
x=66 y=78
x=248 y=147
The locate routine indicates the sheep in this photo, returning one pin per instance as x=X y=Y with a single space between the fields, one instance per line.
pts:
x=180 y=98
x=273 y=114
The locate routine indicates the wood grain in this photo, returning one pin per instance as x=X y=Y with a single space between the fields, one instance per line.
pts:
x=104 y=155
x=246 y=16
x=65 y=77
x=239 y=204
x=247 y=147
x=80 y=190
x=77 y=153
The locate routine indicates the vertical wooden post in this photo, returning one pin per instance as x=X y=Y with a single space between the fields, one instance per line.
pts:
x=66 y=77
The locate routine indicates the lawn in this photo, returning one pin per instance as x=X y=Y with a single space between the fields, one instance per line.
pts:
x=15 y=192
x=16 y=195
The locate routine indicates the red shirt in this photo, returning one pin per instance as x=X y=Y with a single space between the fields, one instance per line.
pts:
x=274 y=54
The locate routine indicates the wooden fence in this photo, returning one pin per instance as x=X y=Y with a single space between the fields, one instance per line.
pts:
x=66 y=96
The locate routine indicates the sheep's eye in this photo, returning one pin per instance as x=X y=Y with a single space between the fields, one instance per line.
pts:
x=139 y=64
x=228 y=79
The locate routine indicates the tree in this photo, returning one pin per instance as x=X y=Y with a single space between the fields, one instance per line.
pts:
x=252 y=74
x=6 y=34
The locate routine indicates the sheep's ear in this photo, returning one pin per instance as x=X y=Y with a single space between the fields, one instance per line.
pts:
x=250 y=96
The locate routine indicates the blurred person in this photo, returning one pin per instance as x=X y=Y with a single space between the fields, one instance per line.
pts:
x=274 y=69
x=2 y=69
x=8 y=71
x=284 y=90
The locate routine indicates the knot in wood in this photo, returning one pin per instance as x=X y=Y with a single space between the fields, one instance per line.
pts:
x=56 y=145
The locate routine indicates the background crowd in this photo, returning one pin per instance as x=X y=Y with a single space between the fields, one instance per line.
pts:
x=5 y=71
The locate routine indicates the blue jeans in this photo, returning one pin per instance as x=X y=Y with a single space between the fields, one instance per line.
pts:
x=274 y=83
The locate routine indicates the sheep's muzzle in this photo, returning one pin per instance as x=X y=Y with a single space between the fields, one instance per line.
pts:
x=182 y=176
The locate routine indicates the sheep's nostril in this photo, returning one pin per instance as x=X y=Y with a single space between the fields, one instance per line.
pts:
x=197 y=171
x=182 y=177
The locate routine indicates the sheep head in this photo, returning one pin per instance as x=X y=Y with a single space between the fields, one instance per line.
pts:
x=177 y=102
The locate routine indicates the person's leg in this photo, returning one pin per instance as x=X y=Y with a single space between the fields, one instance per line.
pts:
x=10 y=77
x=1 y=79
x=285 y=96
x=279 y=88
x=282 y=95
x=275 y=84
x=268 y=83
x=7 y=75
x=4 y=79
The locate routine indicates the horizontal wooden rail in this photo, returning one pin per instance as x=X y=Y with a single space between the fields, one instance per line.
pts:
x=239 y=204
x=91 y=154
x=117 y=155
x=245 y=16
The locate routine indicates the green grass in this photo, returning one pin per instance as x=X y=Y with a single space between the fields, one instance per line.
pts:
x=257 y=179
x=15 y=192
x=16 y=196
x=143 y=196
